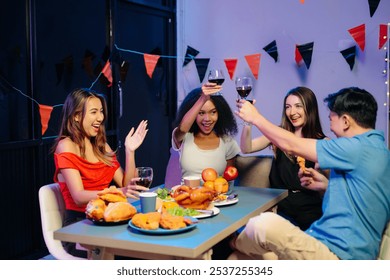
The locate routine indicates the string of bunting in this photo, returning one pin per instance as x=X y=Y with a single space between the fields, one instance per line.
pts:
x=303 y=55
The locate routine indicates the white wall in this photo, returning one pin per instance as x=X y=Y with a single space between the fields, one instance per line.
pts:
x=222 y=29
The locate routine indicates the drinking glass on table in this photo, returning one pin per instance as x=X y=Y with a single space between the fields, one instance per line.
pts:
x=145 y=176
x=244 y=87
x=216 y=76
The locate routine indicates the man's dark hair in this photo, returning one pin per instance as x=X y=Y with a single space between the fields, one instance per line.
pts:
x=355 y=102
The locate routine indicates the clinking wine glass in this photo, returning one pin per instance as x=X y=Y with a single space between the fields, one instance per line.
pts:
x=216 y=76
x=244 y=87
x=145 y=176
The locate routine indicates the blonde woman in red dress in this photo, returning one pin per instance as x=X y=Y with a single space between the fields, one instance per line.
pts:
x=85 y=163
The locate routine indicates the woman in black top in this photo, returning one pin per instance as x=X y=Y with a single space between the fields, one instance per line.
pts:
x=300 y=116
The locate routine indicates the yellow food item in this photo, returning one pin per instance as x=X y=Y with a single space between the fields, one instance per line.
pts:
x=301 y=163
x=112 y=194
x=221 y=185
x=147 y=220
x=119 y=211
x=169 y=221
x=209 y=184
x=95 y=209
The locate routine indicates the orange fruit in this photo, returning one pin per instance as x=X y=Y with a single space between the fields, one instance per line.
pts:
x=209 y=184
x=209 y=174
x=221 y=185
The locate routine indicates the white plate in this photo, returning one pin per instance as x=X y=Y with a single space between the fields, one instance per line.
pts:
x=226 y=202
x=204 y=215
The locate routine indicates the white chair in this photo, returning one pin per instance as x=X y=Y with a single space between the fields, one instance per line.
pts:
x=52 y=208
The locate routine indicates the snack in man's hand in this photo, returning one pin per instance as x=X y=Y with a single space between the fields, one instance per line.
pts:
x=119 y=211
x=301 y=163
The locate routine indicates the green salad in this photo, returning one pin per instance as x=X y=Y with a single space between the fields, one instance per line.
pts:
x=179 y=211
x=163 y=193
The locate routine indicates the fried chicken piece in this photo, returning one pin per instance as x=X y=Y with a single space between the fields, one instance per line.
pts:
x=147 y=220
x=169 y=221
x=301 y=163
x=95 y=209
x=119 y=211
x=112 y=194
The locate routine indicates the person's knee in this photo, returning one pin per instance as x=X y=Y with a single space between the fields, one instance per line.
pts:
x=258 y=227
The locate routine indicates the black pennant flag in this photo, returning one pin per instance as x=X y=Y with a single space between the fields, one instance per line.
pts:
x=306 y=52
x=272 y=50
x=190 y=55
x=201 y=66
x=373 y=6
x=349 y=55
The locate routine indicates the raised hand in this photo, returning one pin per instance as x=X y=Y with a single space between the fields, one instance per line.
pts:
x=135 y=139
x=211 y=88
x=246 y=111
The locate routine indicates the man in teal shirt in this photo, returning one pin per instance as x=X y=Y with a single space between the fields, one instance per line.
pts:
x=356 y=206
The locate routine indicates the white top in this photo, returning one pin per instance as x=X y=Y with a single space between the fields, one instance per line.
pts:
x=194 y=159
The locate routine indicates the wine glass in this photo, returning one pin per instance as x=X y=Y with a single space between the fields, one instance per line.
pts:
x=244 y=87
x=145 y=176
x=216 y=76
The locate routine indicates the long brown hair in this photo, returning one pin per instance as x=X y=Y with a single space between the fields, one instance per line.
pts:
x=312 y=127
x=75 y=105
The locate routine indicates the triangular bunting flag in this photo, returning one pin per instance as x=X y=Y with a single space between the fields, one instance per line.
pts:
x=306 y=52
x=190 y=55
x=201 y=66
x=358 y=33
x=231 y=64
x=272 y=50
x=253 y=61
x=45 y=112
x=349 y=55
x=298 y=56
x=150 y=63
x=382 y=35
x=373 y=5
x=107 y=72
x=302 y=1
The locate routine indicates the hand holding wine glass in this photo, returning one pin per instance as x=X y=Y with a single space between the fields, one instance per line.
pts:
x=244 y=87
x=144 y=176
x=216 y=76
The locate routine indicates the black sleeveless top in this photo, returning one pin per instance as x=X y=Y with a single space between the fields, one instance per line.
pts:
x=302 y=206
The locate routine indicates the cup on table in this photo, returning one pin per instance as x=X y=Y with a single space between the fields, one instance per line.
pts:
x=148 y=201
x=231 y=186
x=192 y=181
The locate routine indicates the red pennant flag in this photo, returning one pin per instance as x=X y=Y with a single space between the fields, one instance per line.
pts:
x=302 y=1
x=107 y=72
x=150 y=63
x=382 y=35
x=359 y=35
x=45 y=112
x=231 y=64
x=253 y=61
x=298 y=56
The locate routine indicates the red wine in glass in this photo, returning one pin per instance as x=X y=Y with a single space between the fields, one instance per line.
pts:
x=145 y=182
x=217 y=81
x=216 y=76
x=244 y=91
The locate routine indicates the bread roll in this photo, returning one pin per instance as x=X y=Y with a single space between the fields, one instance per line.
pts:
x=119 y=211
x=95 y=209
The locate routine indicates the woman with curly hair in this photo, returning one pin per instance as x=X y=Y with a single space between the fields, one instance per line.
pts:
x=204 y=130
